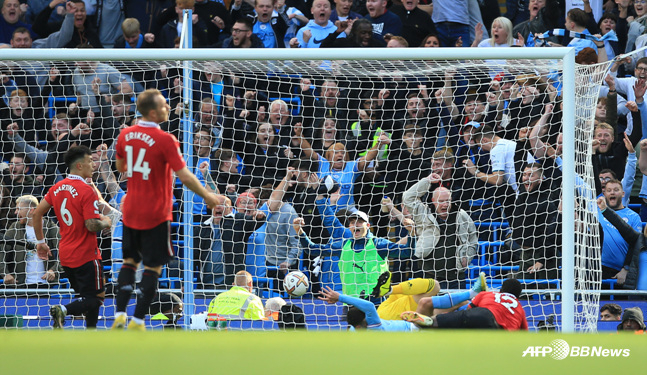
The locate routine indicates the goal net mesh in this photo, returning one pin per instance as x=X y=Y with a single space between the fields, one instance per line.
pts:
x=483 y=136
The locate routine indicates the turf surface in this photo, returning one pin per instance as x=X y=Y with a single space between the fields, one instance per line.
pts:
x=292 y=353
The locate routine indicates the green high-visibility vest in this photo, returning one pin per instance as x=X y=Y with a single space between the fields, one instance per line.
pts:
x=237 y=303
x=384 y=150
x=360 y=269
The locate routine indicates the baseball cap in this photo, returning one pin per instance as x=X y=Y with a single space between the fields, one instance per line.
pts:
x=473 y=124
x=358 y=215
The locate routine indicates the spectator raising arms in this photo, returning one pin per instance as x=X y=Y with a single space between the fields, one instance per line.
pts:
x=316 y=31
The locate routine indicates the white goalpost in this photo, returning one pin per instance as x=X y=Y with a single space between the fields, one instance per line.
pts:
x=361 y=76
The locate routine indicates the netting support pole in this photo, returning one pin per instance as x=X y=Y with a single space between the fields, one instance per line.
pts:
x=186 y=42
x=568 y=194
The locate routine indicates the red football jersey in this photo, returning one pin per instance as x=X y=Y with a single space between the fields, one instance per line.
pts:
x=151 y=155
x=505 y=307
x=74 y=202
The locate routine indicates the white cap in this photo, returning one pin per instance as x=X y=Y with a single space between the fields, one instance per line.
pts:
x=360 y=215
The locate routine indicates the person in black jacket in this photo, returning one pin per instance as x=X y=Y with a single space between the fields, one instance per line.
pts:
x=282 y=121
x=425 y=117
x=330 y=104
x=132 y=36
x=534 y=220
x=231 y=232
x=169 y=31
x=30 y=121
x=608 y=22
x=84 y=31
x=610 y=152
x=408 y=161
x=527 y=100
x=359 y=35
x=325 y=135
x=544 y=15
x=213 y=82
x=229 y=176
x=415 y=22
x=216 y=18
x=242 y=36
x=471 y=194
x=117 y=111
x=63 y=134
x=262 y=154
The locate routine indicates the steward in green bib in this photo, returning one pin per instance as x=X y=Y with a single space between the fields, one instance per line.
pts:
x=364 y=138
x=363 y=258
x=238 y=302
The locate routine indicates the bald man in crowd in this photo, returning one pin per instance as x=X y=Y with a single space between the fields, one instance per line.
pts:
x=446 y=235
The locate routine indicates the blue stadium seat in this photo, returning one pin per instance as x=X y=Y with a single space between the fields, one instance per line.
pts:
x=487 y=250
x=612 y=284
x=52 y=100
x=166 y=281
x=63 y=283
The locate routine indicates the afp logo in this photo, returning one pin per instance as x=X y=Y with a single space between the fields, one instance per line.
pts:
x=559 y=349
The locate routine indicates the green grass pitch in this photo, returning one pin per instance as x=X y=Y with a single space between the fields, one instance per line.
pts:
x=292 y=353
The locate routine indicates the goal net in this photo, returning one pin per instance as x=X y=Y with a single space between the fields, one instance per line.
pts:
x=467 y=152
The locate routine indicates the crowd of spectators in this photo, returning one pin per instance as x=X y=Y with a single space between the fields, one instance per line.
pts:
x=426 y=157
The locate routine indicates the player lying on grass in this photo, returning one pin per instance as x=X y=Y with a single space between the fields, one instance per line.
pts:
x=406 y=296
x=364 y=315
x=402 y=297
x=489 y=310
x=420 y=295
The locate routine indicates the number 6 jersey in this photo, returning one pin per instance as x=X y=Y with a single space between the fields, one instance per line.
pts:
x=150 y=156
x=74 y=202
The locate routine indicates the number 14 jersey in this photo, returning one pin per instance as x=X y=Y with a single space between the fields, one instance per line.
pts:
x=150 y=156
x=74 y=202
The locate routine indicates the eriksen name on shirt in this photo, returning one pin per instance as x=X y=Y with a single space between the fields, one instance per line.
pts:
x=142 y=137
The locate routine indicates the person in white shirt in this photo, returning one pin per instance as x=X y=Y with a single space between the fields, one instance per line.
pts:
x=502 y=153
